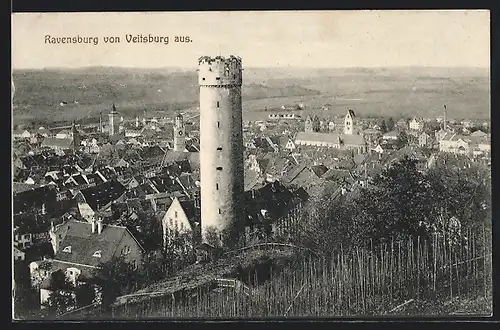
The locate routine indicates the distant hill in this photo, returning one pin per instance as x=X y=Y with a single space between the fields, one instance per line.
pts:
x=50 y=87
x=387 y=91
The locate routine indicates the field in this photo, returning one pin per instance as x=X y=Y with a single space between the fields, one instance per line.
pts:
x=440 y=275
x=371 y=92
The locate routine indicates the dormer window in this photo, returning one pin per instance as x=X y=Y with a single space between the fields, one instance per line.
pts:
x=67 y=249
x=126 y=250
x=97 y=254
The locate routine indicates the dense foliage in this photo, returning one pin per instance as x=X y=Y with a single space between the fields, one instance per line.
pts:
x=401 y=201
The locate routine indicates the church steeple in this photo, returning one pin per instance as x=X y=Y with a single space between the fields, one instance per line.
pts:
x=179 y=132
x=76 y=136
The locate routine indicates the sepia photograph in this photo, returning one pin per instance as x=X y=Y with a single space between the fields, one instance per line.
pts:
x=228 y=165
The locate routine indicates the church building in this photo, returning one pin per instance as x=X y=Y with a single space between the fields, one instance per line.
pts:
x=350 y=140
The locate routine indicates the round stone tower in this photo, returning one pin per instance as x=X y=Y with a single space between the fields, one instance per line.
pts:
x=179 y=131
x=221 y=149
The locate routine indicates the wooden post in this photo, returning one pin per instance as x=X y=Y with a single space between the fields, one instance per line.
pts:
x=485 y=271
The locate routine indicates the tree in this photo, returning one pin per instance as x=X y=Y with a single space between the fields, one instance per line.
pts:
x=117 y=277
x=390 y=124
x=402 y=140
x=62 y=297
x=398 y=203
x=85 y=294
x=383 y=127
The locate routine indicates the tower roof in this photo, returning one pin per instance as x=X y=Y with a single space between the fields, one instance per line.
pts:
x=351 y=112
x=113 y=109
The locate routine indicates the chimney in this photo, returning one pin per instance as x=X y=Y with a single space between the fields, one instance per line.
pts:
x=100 y=122
x=99 y=226
x=444 y=118
x=93 y=226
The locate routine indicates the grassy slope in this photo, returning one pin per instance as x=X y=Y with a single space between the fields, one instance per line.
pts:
x=388 y=92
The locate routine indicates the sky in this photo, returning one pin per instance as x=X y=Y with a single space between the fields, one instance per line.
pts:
x=335 y=39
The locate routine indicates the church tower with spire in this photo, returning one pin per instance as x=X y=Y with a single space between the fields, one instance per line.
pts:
x=113 y=122
x=76 y=136
x=179 y=132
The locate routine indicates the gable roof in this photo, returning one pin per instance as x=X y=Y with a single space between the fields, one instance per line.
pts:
x=273 y=197
x=391 y=133
x=102 y=194
x=319 y=170
x=84 y=243
x=478 y=133
x=58 y=143
x=192 y=213
x=331 y=138
x=34 y=198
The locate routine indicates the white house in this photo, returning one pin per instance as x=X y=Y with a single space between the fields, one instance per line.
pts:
x=64 y=134
x=393 y=135
x=417 y=124
x=454 y=143
x=182 y=217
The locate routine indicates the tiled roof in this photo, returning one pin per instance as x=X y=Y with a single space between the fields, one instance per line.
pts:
x=391 y=133
x=331 y=138
x=102 y=194
x=84 y=243
x=34 y=198
x=165 y=184
x=273 y=197
x=192 y=213
x=58 y=143
x=319 y=170
x=478 y=133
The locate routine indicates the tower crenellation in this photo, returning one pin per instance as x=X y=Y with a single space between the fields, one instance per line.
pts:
x=219 y=71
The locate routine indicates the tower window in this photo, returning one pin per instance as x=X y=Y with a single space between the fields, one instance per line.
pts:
x=219 y=211
x=217 y=186
x=217 y=104
x=219 y=168
x=218 y=124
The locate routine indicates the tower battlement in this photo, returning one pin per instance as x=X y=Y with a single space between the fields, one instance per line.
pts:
x=219 y=71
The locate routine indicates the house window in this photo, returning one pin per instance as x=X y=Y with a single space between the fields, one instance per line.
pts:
x=175 y=214
x=134 y=264
x=97 y=254
x=203 y=79
x=67 y=249
x=217 y=78
x=126 y=250
x=26 y=236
